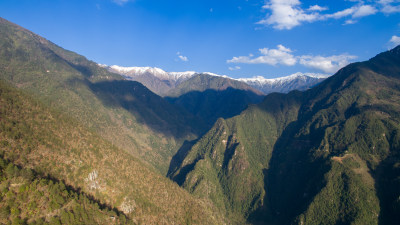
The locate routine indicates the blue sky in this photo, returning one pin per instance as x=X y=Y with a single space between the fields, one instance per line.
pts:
x=239 y=38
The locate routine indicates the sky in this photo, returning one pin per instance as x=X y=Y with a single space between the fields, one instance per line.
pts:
x=238 y=38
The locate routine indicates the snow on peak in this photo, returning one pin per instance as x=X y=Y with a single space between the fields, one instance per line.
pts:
x=181 y=75
x=216 y=75
x=131 y=72
x=261 y=80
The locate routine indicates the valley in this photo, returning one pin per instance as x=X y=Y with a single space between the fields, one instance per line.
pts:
x=85 y=143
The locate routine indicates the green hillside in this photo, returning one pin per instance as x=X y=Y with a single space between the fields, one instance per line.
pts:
x=39 y=139
x=124 y=112
x=226 y=165
x=329 y=155
x=80 y=145
x=28 y=198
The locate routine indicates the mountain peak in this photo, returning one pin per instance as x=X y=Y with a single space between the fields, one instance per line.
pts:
x=132 y=72
x=296 y=81
x=298 y=75
x=160 y=81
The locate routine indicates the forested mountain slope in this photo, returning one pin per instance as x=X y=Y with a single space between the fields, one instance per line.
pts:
x=29 y=198
x=124 y=112
x=45 y=141
x=329 y=155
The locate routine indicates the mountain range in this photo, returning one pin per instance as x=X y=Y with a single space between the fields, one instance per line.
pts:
x=82 y=144
x=167 y=83
x=210 y=96
x=329 y=155
x=155 y=79
x=298 y=81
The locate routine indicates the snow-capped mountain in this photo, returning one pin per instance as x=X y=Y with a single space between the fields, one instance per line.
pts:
x=132 y=72
x=156 y=79
x=162 y=82
x=297 y=81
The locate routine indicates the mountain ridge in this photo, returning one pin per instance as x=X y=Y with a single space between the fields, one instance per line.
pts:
x=327 y=155
x=156 y=79
x=296 y=81
x=36 y=137
x=140 y=122
x=207 y=96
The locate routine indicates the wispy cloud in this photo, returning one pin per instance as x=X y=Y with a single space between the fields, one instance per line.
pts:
x=340 y=14
x=181 y=57
x=389 y=6
x=329 y=64
x=234 y=68
x=284 y=56
x=357 y=11
x=121 y=2
x=347 y=22
x=317 y=8
x=287 y=14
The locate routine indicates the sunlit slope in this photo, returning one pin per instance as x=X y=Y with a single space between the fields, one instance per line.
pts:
x=124 y=112
x=46 y=141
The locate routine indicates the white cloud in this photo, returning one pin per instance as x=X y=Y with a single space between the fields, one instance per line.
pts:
x=329 y=64
x=394 y=41
x=234 y=68
x=284 y=56
x=355 y=12
x=389 y=6
x=341 y=14
x=181 y=57
x=286 y=14
x=364 y=10
x=388 y=9
x=317 y=8
x=281 y=55
x=347 y=22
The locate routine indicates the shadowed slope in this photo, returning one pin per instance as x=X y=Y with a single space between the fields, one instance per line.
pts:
x=209 y=105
